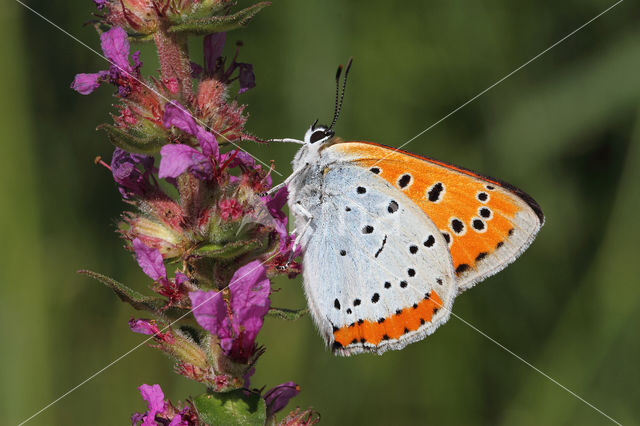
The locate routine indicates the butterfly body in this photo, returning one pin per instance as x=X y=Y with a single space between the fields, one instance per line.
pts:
x=390 y=238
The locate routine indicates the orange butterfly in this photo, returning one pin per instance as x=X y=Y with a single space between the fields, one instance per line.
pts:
x=390 y=238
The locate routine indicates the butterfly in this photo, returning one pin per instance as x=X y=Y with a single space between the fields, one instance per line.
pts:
x=390 y=238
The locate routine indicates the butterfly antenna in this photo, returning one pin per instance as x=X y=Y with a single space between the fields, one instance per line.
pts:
x=335 y=109
x=339 y=95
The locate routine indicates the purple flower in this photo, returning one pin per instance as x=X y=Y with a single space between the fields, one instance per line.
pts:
x=156 y=406
x=246 y=379
x=178 y=158
x=178 y=116
x=196 y=70
x=100 y=3
x=87 y=83
x=181 y=278
x=150 y=328
x=238 y=158
x=143 y=327
x=115 y=46
x=274 y=205
x=129 y=178
x=155 y=402
x=150 y=260
x=278 y=397
x=246 y=78
x=249 y=303
x=212 y=47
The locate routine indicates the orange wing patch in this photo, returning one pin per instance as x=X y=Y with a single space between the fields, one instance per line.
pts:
x=390 y=328
x=476 y=214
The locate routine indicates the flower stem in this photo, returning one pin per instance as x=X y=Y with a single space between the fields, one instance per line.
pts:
x=173 y=53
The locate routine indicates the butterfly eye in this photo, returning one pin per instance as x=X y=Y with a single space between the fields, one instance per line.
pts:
x=317 y=135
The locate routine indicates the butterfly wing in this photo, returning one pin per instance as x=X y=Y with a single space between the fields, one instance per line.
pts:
x=487 y=223
x=377 y=273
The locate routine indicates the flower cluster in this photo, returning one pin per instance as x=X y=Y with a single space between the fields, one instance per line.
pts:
x=200 y=225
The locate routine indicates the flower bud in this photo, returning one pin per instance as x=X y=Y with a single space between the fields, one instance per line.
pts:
x=153 y=233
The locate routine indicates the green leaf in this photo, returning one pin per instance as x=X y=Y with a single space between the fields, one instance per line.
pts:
x=229 y=250
x=231 y=408
x=132 y=140
x=200 y=25
x=138 y=300
x=287 y=314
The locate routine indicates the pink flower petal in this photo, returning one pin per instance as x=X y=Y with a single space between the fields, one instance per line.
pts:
x=115 y=45
x=179 y=117
x=250 y=302
x=87 y=83
x=278 y=397
x=212 y=47
x=178 y=158
x=155 y=399
x=143 y=327
x=150 y=260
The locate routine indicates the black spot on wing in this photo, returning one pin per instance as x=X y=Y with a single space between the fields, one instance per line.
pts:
x=447 y=237
x=478 y=224
x=434 y=192
x=457 y=226
x=485 y=212
x=520 y=193
x=462 y=268
x=404 y=180
x=430 y=241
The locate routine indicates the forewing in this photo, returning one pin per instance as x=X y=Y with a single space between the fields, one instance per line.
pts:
x=487 y=223
x=377 y=271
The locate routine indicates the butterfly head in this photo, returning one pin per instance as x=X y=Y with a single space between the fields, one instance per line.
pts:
x=318 y=134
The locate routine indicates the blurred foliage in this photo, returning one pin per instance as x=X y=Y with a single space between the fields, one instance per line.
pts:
x=566 y=129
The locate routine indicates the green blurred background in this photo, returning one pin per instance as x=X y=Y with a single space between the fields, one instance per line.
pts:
x=566 y=129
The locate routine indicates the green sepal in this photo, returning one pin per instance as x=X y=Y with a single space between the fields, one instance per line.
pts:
x=192 y=332
x=202 y=25
x=138 y=300
x=228 y=250
x=102 y=27
x=231 y=408
x=133 y=140
x=287 y=314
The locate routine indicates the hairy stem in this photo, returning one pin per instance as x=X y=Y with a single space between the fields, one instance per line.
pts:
x=173 y=53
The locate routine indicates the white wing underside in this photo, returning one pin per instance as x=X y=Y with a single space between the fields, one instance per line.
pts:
x=358 y=241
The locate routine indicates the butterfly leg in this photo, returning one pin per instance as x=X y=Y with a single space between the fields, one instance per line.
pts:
x=304 y=212
x=285 y=183
x=301 y=211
